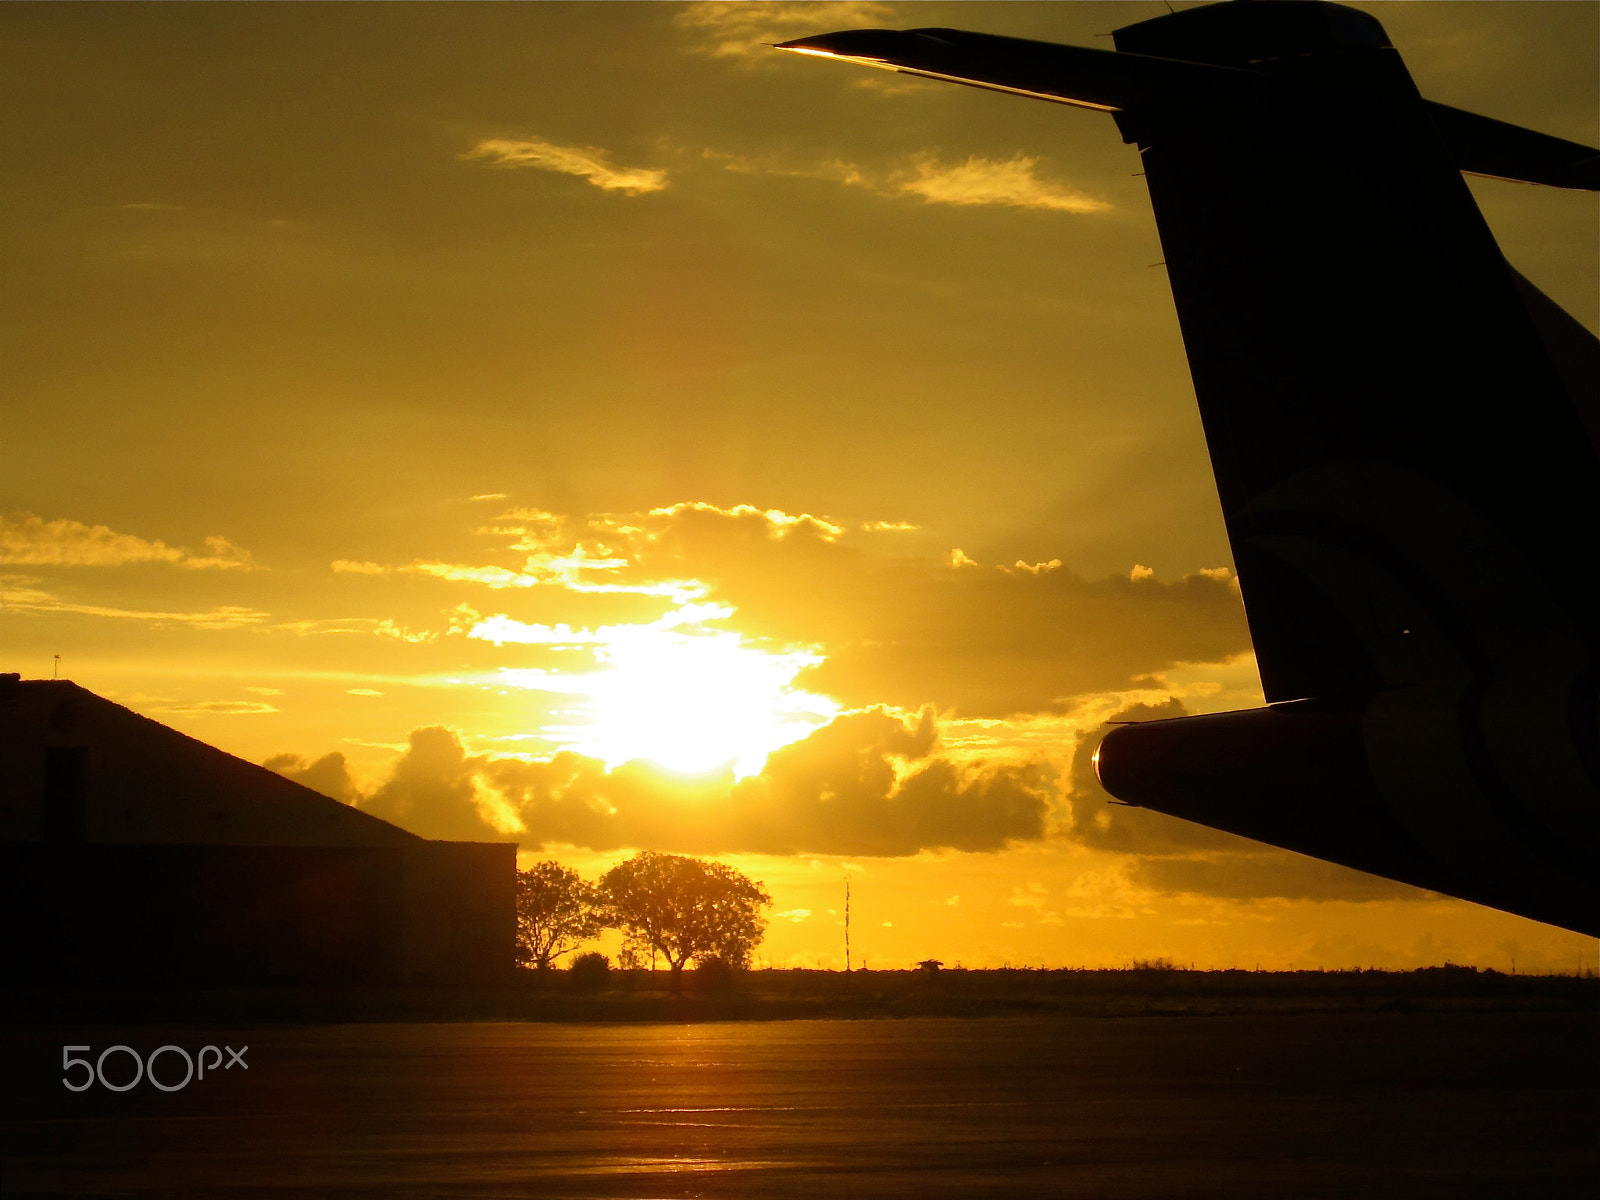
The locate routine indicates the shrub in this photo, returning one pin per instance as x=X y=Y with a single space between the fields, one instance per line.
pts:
x=589 y=973
x=1152 y=964
x=713 y=974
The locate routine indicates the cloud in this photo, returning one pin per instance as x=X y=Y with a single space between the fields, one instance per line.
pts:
x=583 y=161
x=1011 y=182
x=495 y=577
x=1038 y=568
x=888 y=527
x=867 y=783
x=1005 y=664
x=833 y=170
x=1093 y=818
x=987 y=181
x=243 y=708
x=329 y=774
x=391 y=629
x=434 y=791
x=540 y=566
x=973 y=639
x=735 y=28
x=983 y=640
x=1032 y=896
x=1177 y=856
x=29 y=540
x=221 y=555
x=20 y=599
x=501 y=629
x=379 y=626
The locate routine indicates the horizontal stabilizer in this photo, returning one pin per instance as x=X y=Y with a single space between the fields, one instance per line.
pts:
x=1076 y=75
x=1113 y=81
x=1483 y=146
x=1309 y=777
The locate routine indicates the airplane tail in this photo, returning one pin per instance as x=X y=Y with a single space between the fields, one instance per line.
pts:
x=1382 y=412
x=1404 y=433
x=1406 y=440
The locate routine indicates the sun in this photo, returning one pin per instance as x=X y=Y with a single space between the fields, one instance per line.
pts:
x=692 y=702
x=686 y=697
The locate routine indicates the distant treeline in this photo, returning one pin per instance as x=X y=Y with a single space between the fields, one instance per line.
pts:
x=717 y=993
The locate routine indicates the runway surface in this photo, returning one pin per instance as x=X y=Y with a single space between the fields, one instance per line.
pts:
x=1374 y=1105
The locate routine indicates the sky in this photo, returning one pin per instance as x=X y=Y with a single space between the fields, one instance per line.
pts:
x=582 y=425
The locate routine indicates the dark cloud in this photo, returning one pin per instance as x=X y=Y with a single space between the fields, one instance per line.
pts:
x=329 y=774
x=560 y=801
x=993 y=643
x=1094 y=818
x=867 y=783
x=983 y=640
x=977 y=640
x=852 y=788
x=432 y=791
x=1177 y=856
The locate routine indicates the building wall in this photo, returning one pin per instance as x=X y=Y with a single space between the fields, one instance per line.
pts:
x=460 y=911
x=202 y=914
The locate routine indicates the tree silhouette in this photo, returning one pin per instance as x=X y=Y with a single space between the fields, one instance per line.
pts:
x=556 y=913
x=686 y=907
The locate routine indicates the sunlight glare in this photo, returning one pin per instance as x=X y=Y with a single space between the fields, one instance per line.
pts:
x=685 y=697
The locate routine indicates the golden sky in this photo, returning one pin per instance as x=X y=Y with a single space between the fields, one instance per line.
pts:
x=580 y=424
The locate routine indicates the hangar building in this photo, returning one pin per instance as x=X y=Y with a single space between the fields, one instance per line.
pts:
x=133 y=853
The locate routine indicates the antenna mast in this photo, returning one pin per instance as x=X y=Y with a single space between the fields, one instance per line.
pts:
x=847 y=925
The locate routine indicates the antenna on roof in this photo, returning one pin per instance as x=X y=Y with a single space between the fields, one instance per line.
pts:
x=56 y=671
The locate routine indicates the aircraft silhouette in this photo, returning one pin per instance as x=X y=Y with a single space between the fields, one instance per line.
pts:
x=1405 y=435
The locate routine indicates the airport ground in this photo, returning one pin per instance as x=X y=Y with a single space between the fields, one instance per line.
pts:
x=1450 y=1096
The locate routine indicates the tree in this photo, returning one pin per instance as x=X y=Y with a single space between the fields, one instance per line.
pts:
x=556 y=913
x=686 y=907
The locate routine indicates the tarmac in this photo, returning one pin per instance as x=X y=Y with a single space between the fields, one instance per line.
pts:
x=1372 y=1105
